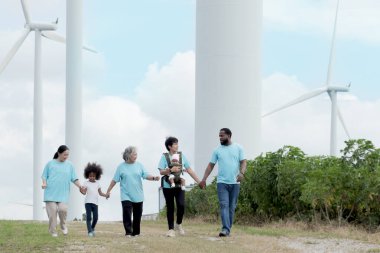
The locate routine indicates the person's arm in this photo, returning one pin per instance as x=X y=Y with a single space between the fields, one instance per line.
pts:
x=168 y=171
x=153 y=178
x=165 y=172
x=193 y=175
x=243 y=168
x=208 y=171
x=77 y=184
x=80 y=187
x=163 y=166
x=44 y=184
x=44 y=177
x=101 y=193
x=112 y=184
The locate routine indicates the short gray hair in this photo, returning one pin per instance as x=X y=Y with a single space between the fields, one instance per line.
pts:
x=128 y=152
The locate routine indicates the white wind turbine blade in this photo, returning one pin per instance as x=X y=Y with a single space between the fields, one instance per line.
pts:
x=13 y=50
x=332 y=49
x=23 y=204
x=26 y=11
x=343 y=124
x=59 y=38
x=299 y=100
x=19 y=203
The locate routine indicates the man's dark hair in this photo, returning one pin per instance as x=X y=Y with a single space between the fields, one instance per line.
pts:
x=170 y=141
x=95 y=168
x=227 y=131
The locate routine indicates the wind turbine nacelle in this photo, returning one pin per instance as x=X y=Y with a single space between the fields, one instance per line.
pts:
x=42 y=27
x=338 y=88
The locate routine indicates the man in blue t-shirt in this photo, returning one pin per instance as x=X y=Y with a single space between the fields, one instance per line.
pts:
x=231 y=168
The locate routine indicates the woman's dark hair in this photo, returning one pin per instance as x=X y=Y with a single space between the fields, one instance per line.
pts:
x=227 y=131
x=95 y=168
x=60 y=150
x=170 y=141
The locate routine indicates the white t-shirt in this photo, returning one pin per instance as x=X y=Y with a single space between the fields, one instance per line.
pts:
x=92 y=192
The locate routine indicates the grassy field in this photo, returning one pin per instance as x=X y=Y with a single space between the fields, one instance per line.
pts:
x=28 y=236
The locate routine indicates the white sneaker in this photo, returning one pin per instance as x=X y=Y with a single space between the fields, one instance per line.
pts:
x=65 y=231
x=170 y=233
x=54 y=234
x=179 y=228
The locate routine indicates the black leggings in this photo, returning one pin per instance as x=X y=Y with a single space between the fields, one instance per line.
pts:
x=132 y=228
x=179 y=195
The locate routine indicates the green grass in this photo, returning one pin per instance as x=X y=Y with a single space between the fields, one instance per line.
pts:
x=29 y=236
x=25 y=236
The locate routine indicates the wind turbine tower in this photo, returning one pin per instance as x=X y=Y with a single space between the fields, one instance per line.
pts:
x=228 y=75
x=74 y=27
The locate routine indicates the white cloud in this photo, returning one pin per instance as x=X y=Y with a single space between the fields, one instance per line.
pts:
x=307 y=125
x=167 y=94
x=357 y=20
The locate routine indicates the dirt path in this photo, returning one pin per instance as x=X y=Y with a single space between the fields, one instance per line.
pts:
x=203 y=238
x=313 y=245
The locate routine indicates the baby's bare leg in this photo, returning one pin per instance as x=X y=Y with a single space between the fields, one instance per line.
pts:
x=171 y=180
x=183 y=184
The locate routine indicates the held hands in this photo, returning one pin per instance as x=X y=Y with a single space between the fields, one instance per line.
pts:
x=83 y=189
x=156 y=178
x=202 y=184
x=108 y=195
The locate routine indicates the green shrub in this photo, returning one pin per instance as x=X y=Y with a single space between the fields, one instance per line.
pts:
x=289 y=184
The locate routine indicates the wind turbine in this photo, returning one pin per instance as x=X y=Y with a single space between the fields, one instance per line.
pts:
x=332 y=92
x=45 y=30
x=38 y=28
x=228 y=75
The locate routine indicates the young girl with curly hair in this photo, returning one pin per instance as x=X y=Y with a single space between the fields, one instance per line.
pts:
x=92 y=172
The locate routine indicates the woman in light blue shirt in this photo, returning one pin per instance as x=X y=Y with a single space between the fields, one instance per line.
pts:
x=56 y=178
x=130 y=174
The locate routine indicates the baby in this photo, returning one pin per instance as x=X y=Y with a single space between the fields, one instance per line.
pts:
x=176 y=177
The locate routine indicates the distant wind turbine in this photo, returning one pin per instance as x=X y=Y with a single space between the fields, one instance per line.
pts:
x=45 y=30
x=331 y=90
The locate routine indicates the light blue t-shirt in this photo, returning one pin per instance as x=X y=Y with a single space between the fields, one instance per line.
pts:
x=228 y=159
x=58 y=176
x=129 y=175
x=163 y=164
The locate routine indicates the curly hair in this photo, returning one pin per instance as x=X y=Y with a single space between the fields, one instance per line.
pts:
x=95 y=168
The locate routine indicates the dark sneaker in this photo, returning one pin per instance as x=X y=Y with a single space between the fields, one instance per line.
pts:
x=223 y=234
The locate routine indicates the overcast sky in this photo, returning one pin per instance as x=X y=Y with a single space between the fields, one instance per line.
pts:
x=140 y=87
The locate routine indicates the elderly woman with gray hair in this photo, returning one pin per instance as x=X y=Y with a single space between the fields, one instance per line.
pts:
x=130 y=174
